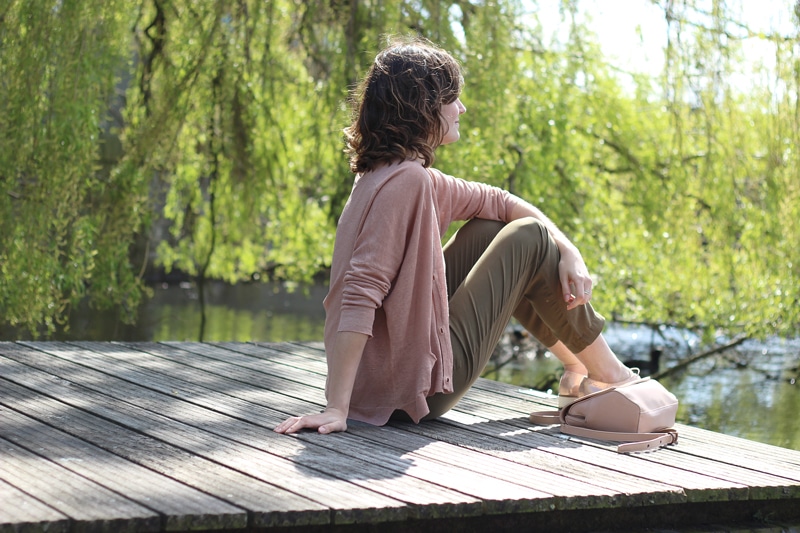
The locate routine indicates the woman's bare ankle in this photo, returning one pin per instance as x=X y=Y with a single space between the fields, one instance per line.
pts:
x=577 y=368
x=612 y=375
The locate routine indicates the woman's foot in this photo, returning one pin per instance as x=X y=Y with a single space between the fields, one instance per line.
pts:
x=569 y=387
x=589 y=386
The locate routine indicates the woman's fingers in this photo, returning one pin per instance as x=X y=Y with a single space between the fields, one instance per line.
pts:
x=576 y=284
x=586 y=291
x=577 y=289
x=289 y=425
x=323 y=422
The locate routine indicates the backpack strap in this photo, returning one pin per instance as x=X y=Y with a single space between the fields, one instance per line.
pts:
x=545 y=418
x=635 y=442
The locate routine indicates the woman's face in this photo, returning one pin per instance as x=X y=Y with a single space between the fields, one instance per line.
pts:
x=450 y=114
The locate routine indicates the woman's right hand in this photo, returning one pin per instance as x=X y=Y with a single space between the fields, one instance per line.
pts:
x=329 y=421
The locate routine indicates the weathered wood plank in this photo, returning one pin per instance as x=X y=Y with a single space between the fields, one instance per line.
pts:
x=781 y=458
x=139 y=361
x=268 y=504
x=627 y=487
x=651 y=484
x=574 y=457
x=776 y=467
x=598 y=491
x=787 y=461
x=181 y=507
x=285 y=354
x=22 y=512
x=270 y=365
x=687 y=457
x=731 y=485
x=362 y=447
x=488 y=488
x=730 y=482
x=457 y=455
x=90 y=507
x=349 y=502
x=473 y=483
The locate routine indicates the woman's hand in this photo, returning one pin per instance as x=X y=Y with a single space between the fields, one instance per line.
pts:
x=329 y=421
x=576 y=283
x=342 y=367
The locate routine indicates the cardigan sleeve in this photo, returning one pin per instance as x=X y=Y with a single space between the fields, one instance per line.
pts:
x=459 y=199
x=381 y=244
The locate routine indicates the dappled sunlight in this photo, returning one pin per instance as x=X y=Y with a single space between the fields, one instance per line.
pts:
x=462 y=418
x=512 y=433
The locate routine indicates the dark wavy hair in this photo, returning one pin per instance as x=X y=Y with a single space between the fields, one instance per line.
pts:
x=397 y=106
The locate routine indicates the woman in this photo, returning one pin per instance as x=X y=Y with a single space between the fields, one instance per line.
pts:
x=411 y=325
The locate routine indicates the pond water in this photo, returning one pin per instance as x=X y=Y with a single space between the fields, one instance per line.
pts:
x=750 y=391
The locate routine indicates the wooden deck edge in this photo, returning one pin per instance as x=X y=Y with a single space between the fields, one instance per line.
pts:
x=752 y=516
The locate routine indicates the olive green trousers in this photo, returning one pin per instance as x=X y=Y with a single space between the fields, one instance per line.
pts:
x=496 y=271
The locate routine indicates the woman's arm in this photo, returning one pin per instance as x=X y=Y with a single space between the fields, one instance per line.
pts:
x=462 y=200
x=576 y=284
x=342 y=367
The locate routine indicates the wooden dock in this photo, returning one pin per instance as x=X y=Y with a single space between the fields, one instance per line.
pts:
x=178 y=437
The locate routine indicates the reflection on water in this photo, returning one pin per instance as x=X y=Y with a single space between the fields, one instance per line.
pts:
x=752 y=393
x=749 y=392
x=246 y=312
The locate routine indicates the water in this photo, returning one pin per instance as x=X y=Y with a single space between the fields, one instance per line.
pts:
x=750 y=391
x=269 y=312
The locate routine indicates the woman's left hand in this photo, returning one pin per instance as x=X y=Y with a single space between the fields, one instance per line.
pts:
x=576 y=284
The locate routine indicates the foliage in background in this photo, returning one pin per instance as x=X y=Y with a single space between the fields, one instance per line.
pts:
x=65 y=226
x=682 y=192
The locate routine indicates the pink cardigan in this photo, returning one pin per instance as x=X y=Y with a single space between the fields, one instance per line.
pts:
x=388 y=281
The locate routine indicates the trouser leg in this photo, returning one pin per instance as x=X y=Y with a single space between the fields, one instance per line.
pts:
x=496 y=271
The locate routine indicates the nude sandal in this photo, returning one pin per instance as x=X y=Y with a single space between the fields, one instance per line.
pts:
x=589 y=386
x=569 y=388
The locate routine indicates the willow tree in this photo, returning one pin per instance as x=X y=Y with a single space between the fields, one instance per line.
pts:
x=65 y=226
x=712 y=192
x=230 y=127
